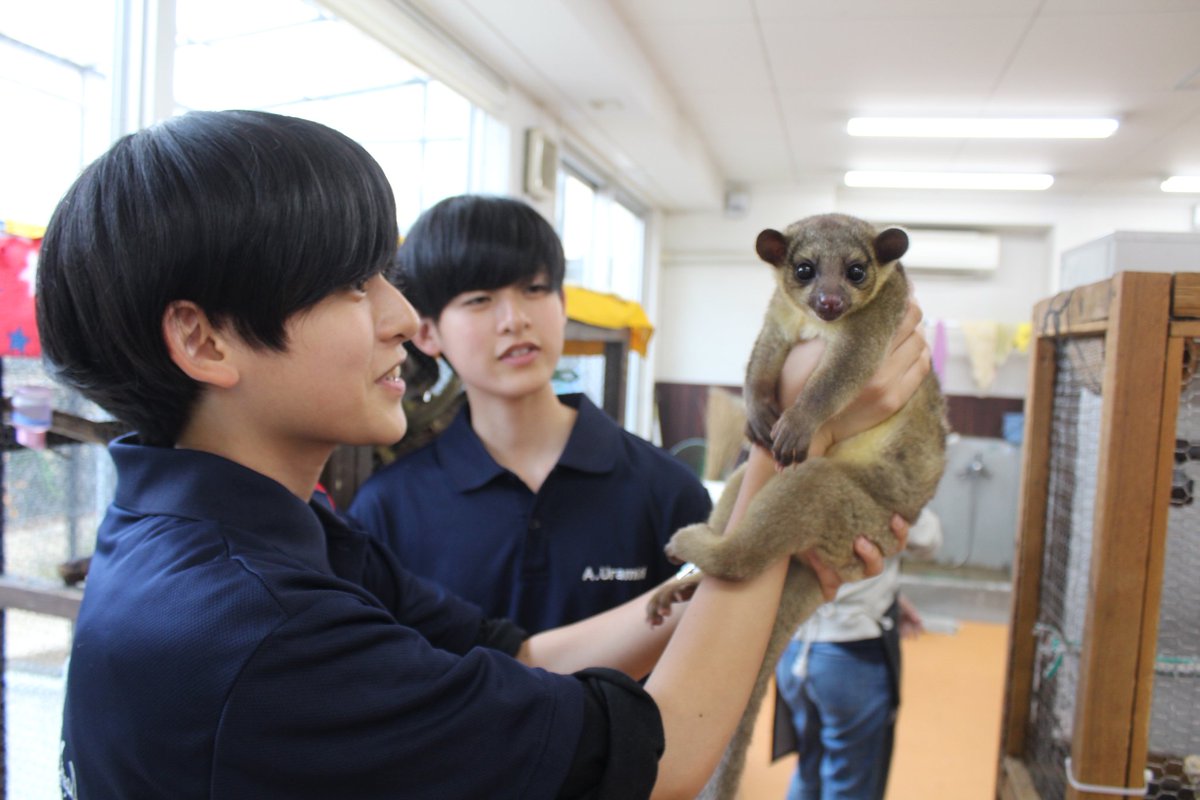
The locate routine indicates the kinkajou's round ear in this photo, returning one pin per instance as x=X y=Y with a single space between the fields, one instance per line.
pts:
x=771 y=246
x=890 y=245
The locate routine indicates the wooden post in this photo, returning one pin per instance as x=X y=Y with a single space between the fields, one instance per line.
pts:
x=616 y=359
x=1031 y=534
x=1128 y=482
x=613 y=344
x=1015 y=782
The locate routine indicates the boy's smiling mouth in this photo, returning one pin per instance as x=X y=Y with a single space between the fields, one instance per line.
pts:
x=519 y=352
x=393 y=378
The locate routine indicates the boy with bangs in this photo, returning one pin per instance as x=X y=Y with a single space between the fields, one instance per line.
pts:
x=216 y=282
x=547 y=511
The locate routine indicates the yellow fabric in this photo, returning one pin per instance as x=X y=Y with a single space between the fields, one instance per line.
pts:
x=606 y=311
x=1022 y=336
x=1006 y=339
x=990 y=343
x=982 y=337
x=22 y=229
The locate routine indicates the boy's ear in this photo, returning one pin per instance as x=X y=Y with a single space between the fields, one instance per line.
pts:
x=426 y=338
x=196 y=346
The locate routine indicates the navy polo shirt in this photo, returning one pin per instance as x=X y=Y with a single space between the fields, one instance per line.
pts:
x=236 y=642
x=591 y=538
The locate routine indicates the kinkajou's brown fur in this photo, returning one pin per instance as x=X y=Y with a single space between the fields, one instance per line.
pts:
x=839 y=280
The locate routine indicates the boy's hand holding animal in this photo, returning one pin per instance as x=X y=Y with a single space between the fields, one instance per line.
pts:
x=908 y=361
x=888 y=390
x=904 y=369
x=830 y=580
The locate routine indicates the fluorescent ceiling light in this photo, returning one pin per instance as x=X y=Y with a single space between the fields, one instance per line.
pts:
x=980 y=128
x=1181 y=183
x=1015 y=181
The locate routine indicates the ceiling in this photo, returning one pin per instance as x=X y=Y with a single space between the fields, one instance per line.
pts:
x=687 y=97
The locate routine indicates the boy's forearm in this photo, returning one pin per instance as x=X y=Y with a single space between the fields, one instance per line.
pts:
x=704 y=678
x=703 y=675
x=619 y=638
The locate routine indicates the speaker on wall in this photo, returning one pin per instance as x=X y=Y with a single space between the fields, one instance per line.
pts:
x=737 y=201
x=541 y=164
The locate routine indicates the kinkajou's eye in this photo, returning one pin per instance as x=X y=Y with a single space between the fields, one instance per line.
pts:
x=856 y=273
x=805 y=271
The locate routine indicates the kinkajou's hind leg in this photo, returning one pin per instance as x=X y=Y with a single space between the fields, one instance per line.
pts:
x=713 y=529
x=719 y=517
x=674 y=590
x=681 y=587
x=755 y=542
x=820 y=504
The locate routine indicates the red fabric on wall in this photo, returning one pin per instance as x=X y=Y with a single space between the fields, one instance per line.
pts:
x=18 y=326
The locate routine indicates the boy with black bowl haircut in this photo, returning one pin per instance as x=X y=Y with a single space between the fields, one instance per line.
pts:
x=216 y=282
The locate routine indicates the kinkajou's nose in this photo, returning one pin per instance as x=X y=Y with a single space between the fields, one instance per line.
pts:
x=830 y=305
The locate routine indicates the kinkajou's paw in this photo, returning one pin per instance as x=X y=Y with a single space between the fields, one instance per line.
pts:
x=692 y=543
x=790 y=438
x=676 y=590
x=760 y=416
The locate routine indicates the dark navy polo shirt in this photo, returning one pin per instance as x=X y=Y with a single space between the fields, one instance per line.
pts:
x=591 y=538
x=235 y=642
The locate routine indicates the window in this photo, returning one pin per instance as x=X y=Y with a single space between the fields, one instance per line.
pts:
x=577 y=221
x=604 y=245
x=293 y=57
x=56 y=92
x=603 y=238
x=626 y=251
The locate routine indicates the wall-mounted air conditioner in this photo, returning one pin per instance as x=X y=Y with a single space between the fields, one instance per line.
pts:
x=938 y=250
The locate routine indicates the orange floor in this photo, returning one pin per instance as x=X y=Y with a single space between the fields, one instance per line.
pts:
x=948 y=734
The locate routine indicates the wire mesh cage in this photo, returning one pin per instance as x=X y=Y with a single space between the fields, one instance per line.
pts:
x=1066 y=558
x=53 y=500
x=1103 y=687
x=1173 y=757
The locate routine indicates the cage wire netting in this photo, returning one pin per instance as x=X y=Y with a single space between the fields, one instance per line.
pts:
x=1172 y=761
x=53 y=501
x=1066 y=558
x=1174 y=745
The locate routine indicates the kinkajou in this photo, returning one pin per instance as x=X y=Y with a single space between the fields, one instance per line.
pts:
x=839 y=280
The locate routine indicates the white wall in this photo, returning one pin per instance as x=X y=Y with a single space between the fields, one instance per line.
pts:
x=1071 y=220
x=713 y=288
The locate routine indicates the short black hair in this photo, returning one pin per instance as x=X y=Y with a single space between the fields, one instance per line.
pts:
x=475 y=242
x=253 y=216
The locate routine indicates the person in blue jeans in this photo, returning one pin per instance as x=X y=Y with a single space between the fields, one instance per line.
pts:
x=838 y=683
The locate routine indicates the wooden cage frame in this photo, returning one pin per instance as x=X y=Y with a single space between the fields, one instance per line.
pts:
x=1146 y=320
